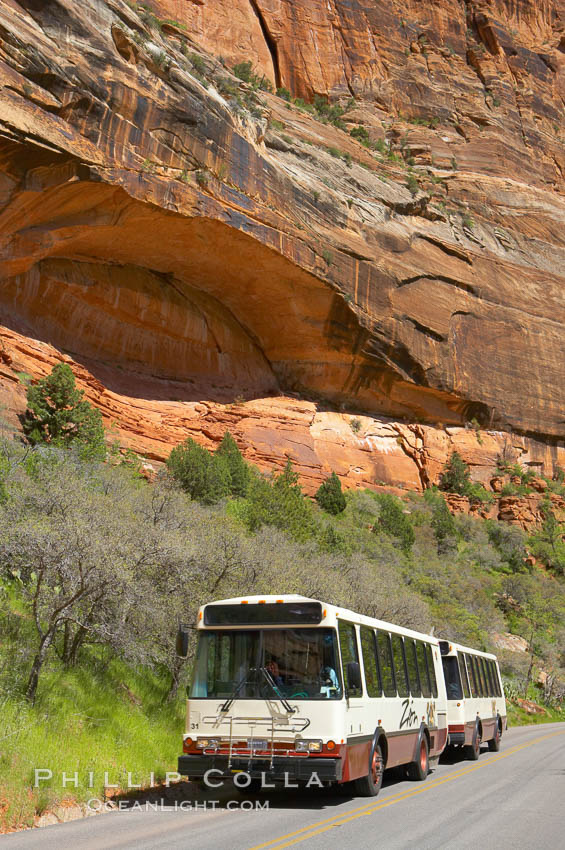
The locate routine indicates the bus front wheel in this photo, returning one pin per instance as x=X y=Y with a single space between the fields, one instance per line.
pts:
x=419 y=769
x=473 y=751
x=494 y=743
x=370 y=785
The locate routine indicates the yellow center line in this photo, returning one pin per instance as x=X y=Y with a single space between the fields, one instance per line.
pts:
x=337 y=820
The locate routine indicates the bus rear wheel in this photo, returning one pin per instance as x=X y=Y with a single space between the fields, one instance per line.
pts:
x=370 y=785
x=494 y=743
x=419 y=769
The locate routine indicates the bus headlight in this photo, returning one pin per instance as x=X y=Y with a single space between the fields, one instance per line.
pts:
x=308 y=746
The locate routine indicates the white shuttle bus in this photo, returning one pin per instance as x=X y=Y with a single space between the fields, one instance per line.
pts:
x=293 y=691
x=476 y=708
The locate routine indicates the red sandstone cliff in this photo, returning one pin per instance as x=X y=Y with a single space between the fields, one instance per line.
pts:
x=184 y=254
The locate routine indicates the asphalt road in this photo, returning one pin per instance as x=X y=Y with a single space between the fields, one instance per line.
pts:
x=508 y=800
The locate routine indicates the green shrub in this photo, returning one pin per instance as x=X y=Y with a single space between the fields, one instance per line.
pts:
x=279 y=501
x=443 y=525
x=329 y=113
x=330 y=495
x=197 y=63
x=245 y=72
x=412 y=184
x=548 y=543
x=455 y=477
x=284 y=93
x=361 y=135
x=203 y=476
x=393 y=521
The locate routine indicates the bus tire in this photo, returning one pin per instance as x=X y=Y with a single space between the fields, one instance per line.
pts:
x=473 y=751
x=494 y=743
x=370 y=785
x=419 y=769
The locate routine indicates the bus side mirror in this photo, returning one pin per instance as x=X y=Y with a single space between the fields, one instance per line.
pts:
x=182 y=641
x=353 y=675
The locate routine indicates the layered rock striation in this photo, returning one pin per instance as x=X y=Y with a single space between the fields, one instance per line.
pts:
x=208 y=256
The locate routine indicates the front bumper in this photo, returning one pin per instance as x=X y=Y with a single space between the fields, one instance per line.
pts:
x=284 y=769
x=455 y=739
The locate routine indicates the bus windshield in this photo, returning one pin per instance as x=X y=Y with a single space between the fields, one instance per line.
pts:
x=267 y=664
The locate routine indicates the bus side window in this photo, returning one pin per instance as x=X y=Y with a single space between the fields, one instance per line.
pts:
x=463 y=674
x=412 y=666
x=369 y=653
x=488 y=674
x=482 y=684
x=473 y=677
x=400 y=666
x=385 y=664
x=348 y=646
x=431 y=669
x=423 y=668
x=497 y=678
x=476 y=671
x=485 y=677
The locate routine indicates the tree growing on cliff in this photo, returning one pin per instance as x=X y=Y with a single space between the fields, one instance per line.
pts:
x=455 y=477
x=57 y=413
x=393 y=521
x=330 y=495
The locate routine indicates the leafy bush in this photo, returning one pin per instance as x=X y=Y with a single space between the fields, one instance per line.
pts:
x=361 y=134
x=197 y=63
x=203 y=476
x=393 y=521
x=355 y=425
x=245 y=72
x=329 y=113
x=412 y=184
x=280 y=502
x=330 y=496
x=443 y=525
x=548 y=543
x=510 y=542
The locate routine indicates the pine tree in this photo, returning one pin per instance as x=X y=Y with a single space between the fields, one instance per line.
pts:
x=330 y=496
x=57 y=413
x=237 y=468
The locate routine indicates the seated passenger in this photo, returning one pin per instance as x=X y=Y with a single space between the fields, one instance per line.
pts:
x=329 y=681
x=272 y=667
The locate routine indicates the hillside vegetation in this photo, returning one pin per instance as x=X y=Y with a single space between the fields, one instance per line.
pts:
x=99 y=566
